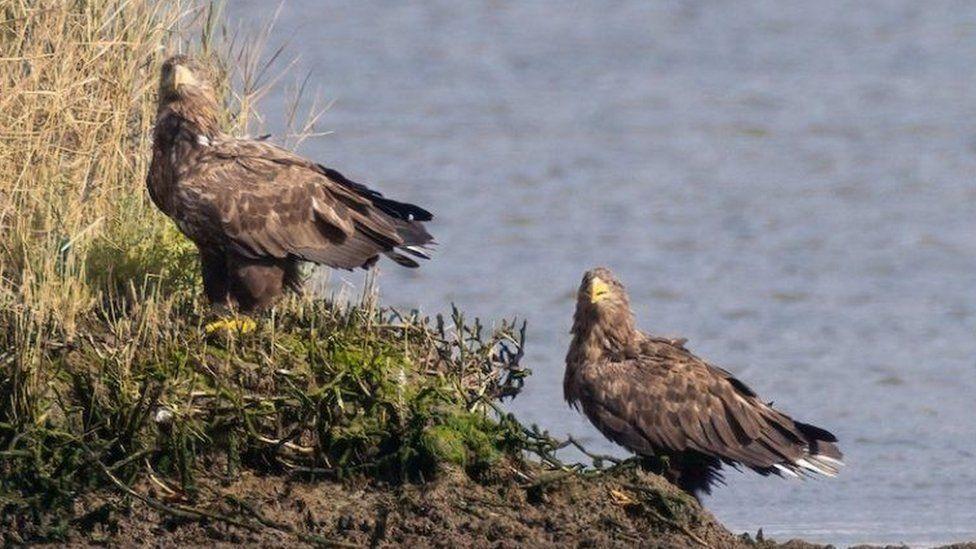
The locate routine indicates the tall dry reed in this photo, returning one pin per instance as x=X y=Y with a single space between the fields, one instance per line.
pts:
x=79 y=237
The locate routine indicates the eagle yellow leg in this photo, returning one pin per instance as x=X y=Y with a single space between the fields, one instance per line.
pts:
x=240 y=325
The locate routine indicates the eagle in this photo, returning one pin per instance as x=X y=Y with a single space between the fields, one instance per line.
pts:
x=257 y=211
x=654 y=397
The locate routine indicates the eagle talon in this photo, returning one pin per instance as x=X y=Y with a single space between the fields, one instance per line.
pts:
x=242 y=325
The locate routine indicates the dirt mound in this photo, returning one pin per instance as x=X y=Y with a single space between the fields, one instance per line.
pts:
x=620 y=509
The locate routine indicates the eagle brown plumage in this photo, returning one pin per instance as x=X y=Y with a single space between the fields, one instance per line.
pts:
x=657 y=399
x=256 y=211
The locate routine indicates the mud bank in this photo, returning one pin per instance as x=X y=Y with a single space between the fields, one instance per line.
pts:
x=614 y=509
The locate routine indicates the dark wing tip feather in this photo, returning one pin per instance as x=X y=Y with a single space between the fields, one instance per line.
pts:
x=393 y=208
x=741 y=387
x=402 y=260
x=815 y=433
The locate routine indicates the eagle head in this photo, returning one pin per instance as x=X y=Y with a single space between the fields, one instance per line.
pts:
x=603 y=320
x=603 y=325
x=186 y=92
x=182 y=77
x=601 y=292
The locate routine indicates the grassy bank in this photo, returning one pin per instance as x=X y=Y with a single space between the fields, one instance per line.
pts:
x=123 y=420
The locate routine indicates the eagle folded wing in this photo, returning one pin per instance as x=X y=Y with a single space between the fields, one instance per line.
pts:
x=267 y=202
x=690 y=405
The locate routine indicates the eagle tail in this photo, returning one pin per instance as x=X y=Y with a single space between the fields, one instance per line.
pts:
x=401 y=259
x=821 y=457
x=412 y=233
x=416 y=243
x=407 y=219
x=416 y=251
x=401 y=255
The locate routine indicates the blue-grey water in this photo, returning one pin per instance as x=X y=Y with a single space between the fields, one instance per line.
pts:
x=788 y=184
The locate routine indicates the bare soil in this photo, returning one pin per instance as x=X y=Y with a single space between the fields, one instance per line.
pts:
x=624 y=509
x=627 y=509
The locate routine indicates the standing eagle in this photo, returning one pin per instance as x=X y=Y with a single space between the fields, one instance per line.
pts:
x=256 y=211
x=655 y=398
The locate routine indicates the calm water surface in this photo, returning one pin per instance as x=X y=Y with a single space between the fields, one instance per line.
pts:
x=788 y=184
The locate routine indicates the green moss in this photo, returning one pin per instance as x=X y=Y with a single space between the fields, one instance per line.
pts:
x=466 y=439
x=444 y=444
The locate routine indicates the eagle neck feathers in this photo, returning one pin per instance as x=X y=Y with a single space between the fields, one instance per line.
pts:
x=183 y=126
x=599 y=337
x=197 y=113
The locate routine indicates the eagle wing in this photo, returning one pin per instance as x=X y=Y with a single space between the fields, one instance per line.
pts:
x=668 y=399
x=259 y=200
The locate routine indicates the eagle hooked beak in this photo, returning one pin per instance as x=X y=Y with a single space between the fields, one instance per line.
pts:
x=183 y=76
x=599 y=290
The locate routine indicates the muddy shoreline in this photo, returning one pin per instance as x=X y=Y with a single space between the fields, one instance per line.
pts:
x=626 y=509
x=622 y=509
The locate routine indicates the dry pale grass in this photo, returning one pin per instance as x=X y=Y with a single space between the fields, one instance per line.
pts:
x=76 y=112
x=79 y=237
x=76 y=228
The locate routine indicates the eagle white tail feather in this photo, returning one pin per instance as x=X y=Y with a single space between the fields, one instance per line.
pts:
x=786 y=471
x=810 y=465
x=418 y=251
x=819 y=464
x=826 y=463
x=836 y=463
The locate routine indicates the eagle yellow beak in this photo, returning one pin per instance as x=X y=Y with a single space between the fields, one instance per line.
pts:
x=599 y=290
x=183 y=76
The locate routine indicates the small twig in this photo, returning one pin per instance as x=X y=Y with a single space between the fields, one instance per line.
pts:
x=551 y=478
x=597 y=458
x=192 y=513
x=287 y=528
x=176 y=511
x=684 y=529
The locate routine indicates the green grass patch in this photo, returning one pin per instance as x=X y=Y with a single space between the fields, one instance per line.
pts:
x=347 y=393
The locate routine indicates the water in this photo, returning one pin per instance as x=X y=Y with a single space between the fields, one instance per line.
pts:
x=788 y=184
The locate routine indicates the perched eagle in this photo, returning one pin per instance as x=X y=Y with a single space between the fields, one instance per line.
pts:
x=655 y=398
x=256 y=211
